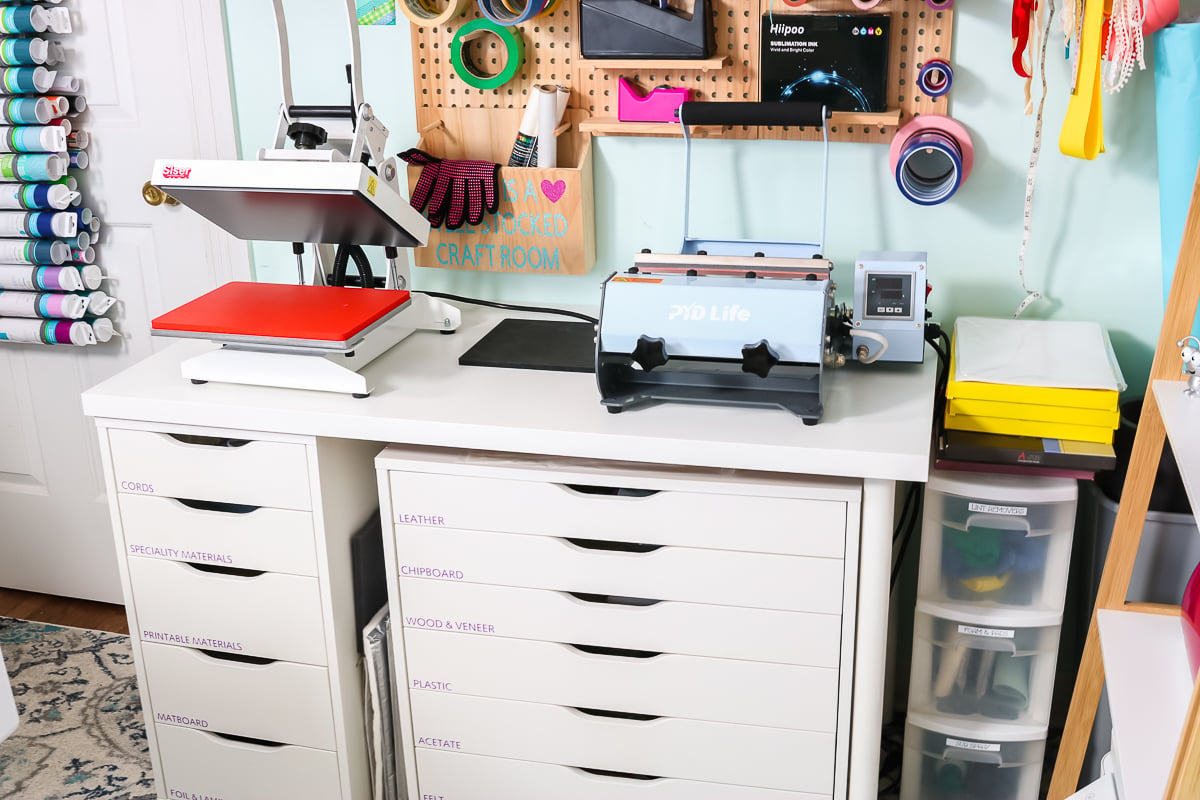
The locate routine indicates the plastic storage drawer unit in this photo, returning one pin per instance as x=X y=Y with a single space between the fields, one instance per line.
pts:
x=984 y=665
x=997 y=540
x=946 y=760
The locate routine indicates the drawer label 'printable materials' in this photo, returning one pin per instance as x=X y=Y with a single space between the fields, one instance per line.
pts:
x=191 y=641
x=984 y=747
x=1008 y=511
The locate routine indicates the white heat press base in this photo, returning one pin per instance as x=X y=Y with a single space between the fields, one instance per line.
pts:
x=320 y=369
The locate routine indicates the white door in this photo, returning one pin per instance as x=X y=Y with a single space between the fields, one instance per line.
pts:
x=155 y=76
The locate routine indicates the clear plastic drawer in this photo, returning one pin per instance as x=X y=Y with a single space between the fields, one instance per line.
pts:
x=948 y=761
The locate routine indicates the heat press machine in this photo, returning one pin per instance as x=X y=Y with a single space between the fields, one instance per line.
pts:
x=332 y=189
x=751 y=322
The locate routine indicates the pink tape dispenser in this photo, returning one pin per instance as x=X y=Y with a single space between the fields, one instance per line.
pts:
x=658 y=105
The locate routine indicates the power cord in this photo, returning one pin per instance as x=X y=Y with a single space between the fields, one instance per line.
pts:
x=905 y=526
x=511 y=307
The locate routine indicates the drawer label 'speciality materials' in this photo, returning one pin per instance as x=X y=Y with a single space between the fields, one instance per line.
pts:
x=449 y=625
x=176 y=719
x=409 y=571
x=433 y=686
x=174 y=553
x=191 y=641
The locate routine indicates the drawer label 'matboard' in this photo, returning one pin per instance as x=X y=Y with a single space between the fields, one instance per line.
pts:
x=178 y=719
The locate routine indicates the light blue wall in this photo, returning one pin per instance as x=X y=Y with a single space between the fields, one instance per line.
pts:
x=1095 y=245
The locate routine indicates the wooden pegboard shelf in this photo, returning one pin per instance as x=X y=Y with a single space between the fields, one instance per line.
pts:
x=610 y=126
x=643 y=64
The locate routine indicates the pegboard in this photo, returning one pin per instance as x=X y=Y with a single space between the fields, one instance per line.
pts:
x=919 y=33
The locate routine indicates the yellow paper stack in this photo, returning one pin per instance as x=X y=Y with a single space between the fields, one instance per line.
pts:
x=1033 y=378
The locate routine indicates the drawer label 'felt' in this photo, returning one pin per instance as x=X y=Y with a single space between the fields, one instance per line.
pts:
x=409 y=571
x=191 y=641
x=449 y=625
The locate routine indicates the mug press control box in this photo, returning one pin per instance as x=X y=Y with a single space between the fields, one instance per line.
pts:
x=889 y=301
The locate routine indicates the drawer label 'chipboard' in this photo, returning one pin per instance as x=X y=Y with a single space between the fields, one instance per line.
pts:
x=432 y=623
x=409 y=571
x=988 y=508
x=191 y=641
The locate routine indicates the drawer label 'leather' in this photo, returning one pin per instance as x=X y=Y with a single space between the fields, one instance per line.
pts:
x=449 y=625
x=419 y=519
x=409 y=571
x=197 y=556
x=191 y=641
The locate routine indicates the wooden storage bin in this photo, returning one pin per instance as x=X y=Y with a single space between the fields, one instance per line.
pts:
x=546 y=220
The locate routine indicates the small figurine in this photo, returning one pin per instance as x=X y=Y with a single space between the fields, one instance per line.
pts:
x=1191 y=363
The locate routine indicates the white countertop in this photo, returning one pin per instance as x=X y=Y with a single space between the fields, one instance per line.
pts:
x=877 y=421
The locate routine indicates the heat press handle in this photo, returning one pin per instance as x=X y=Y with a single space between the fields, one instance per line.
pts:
x=706 y=113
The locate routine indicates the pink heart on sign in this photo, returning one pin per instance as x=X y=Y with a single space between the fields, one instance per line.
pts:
x=554 y=191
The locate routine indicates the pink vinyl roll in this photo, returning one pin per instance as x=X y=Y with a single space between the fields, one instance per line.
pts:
x=931 y=157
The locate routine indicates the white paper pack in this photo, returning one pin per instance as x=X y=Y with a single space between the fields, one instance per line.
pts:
x=1031 y=352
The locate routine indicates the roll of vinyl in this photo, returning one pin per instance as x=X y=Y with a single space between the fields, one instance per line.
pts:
x=33 y=251
x=32 y=139
x=935 y=77
x=25 y=80
x=32 y=167
x=931 y=157
x=27 y=110
x=42 y=305
x=425 y=14
x=939 y=5
x=24 y=19
x=514 y=54
x=51 y=331
x=506 y=16
x=16 y=51
x=862 y=5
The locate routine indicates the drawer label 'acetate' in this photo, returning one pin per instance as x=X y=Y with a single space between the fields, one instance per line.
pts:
x=1008 y=511
x=443 y=744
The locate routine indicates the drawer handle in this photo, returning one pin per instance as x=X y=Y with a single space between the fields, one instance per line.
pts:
x=608 y=491
x=212 y=505
x=208 y=441
x=601 y=712
x=617 y=547
x=248 y=740
x=238 y=657
x=612 y=599
x=629 y=776
x=236 y=572
x=617 y=652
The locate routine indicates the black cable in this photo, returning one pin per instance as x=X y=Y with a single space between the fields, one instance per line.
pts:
x=511 y=307
x=341 y=259
x=910 y=527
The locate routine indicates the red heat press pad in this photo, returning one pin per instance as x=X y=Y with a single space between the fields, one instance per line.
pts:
x=329 y=317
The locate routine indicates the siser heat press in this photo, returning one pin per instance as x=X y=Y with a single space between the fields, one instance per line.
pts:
x=638 y=29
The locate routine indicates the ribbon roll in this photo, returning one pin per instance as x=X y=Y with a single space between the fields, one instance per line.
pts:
x=514 y=54
x=425 y=13
x=935 y=77
x=501 y=14
x=939 y=5
x=931 y=157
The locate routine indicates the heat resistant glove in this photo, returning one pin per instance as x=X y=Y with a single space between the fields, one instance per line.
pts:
x=455 y=191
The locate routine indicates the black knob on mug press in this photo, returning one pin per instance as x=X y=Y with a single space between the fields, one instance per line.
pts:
x=649 y=352
x=759 y=358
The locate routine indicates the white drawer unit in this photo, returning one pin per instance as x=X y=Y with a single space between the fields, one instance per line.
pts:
x=223 y=534
x=650 y=633
x=468 y=777
x=236 y=569
x=755 y=634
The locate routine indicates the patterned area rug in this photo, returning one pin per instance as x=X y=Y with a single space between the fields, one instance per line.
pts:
x=81 y=733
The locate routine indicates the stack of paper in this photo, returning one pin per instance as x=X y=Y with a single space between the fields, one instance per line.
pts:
x=1033 y=378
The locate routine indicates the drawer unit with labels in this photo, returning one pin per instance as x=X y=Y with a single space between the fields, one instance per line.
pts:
x=648 y=632
x=236 y=569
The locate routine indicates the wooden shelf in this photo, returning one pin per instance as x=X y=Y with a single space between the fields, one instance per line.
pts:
x=1181 y=417
x=643 y=64
x=1149 y=688
x=609 y=126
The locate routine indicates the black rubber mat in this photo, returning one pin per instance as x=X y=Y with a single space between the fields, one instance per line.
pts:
x=550 y=344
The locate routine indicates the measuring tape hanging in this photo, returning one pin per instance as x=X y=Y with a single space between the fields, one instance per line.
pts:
x=514 y=50
x=931 y=157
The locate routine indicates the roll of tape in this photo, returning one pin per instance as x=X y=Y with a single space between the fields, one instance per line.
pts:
x=865 y=5
x=514 y=49
x=935 y=77
x=425 y=14
x=931 y=157
x=502 y=13
x=939 y=5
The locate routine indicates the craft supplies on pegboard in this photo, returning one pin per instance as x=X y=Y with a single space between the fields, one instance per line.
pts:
x=49 y=283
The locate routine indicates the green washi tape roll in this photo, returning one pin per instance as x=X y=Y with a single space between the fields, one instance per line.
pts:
x=514 y=47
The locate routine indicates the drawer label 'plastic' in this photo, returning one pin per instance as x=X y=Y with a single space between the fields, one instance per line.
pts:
x=1008 y=511
x=433 y=686
x=991 y=633
x=984 y=747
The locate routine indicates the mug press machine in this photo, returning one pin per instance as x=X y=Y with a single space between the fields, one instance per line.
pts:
x=751 y=322
x=321 y=191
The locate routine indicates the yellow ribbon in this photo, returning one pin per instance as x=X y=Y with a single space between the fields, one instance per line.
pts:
x=1083 y=128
